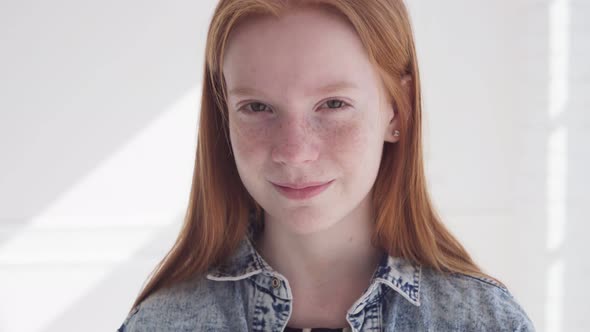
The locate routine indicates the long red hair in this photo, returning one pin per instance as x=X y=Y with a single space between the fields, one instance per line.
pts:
x=216 y=220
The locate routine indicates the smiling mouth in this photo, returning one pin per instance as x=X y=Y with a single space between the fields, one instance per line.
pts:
x=305 y=192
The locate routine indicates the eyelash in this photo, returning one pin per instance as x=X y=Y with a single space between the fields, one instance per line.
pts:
x=343 y=106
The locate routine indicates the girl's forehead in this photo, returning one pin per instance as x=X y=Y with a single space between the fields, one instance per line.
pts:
x=304 y=72
x=309 y=39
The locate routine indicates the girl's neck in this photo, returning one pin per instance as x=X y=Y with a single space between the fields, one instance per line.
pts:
x=340 y=254
x=327 y=271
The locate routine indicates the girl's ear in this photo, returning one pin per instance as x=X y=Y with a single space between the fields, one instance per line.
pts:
x=392 y=127
x=393 y=132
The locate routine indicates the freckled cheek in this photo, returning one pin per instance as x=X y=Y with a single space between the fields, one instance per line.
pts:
x=347 y=140
x=248 y=141
x=335 y=141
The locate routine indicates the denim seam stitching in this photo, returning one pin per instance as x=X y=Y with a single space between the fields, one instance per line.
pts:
x=488 y=282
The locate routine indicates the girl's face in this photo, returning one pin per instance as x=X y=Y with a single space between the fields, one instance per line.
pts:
x=305 y=107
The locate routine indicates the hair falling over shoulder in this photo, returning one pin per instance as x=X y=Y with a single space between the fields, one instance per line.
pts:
x=216 y=219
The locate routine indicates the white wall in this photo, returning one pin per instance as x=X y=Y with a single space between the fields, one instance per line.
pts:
x=98 y=116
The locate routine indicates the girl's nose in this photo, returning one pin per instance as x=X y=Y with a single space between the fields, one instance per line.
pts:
x=294 y=143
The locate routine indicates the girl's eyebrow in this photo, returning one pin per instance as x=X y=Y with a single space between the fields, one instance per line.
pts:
x=329 y=88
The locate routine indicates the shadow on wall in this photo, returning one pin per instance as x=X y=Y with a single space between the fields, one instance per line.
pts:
x=568 y=164
x=552 y=160
x=81 y=85
x=101 y=309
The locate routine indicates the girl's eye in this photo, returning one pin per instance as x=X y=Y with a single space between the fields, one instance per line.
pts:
x=336 y=103
x=257 y=107
x=333 y=104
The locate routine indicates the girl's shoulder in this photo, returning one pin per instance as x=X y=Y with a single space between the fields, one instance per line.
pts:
x=481 y=302
x=182 y=307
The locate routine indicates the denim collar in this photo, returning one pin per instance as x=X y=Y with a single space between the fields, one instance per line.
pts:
x=399 y=274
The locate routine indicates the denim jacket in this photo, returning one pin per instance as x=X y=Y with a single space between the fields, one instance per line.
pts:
x=246 y=294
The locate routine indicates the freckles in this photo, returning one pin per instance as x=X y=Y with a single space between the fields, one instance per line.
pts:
x=349 y=138
x=248 y=139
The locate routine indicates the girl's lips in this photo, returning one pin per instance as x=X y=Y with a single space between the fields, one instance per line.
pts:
x=303 y=193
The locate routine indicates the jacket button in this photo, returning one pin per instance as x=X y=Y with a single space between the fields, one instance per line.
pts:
x=276 y=283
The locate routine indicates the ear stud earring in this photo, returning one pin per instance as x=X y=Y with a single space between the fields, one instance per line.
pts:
x=396 y=133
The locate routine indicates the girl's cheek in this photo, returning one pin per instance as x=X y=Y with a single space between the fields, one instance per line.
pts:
x=248 y=139
x=346 y=138
x=342 y=137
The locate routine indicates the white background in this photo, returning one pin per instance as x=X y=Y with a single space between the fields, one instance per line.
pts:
x=98 y=116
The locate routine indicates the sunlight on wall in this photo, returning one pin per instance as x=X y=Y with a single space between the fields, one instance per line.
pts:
x=556 y=217
x=557 y=161
x=101 y=221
